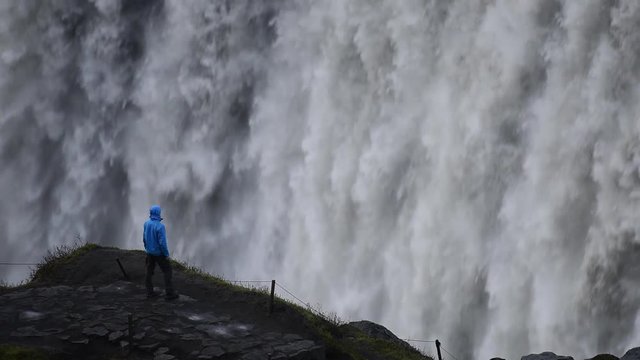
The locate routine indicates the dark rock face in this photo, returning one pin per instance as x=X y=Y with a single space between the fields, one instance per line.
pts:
x=633 y=354
x=377 y=331
x=185 y=329
x=546 y=356
x=604 y=357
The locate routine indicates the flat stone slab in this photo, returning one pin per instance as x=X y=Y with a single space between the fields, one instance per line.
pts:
x=116 y=335
x=164 y=357
x=302 y=349
x=54 y=291
x=186 y=326
x=17 y=295
x=31 y=315
x=80 y=341
x=161 y=350
x=192 y=337
x=96 y=308
x=149 y=347
x=96 y=331
x=214 y=351
x=30 y=331
x=243 y=345
x=116 y=326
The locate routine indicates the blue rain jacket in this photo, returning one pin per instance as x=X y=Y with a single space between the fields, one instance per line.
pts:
x=154 y=235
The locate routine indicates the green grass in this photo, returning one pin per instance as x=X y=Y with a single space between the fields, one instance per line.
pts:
x=14 y=352
x=387 y=349
x=344 y=339
x=59 y=256
x=341 y=340
x=197 y=272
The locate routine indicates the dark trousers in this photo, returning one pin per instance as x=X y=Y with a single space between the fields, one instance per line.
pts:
x=165 y=266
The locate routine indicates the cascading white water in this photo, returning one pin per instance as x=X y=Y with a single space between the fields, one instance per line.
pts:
x=467 y=170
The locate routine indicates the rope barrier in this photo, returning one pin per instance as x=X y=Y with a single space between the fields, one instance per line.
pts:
x=17 y=264
x=290 y=293
x=450 y=354
x=420 y=341
x=306 y=304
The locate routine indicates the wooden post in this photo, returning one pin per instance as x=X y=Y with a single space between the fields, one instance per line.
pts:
x=438 y=348
x=130 y=318
x=273 y=290
x=126 y=277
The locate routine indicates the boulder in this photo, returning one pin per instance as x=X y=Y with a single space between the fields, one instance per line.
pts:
x=546 y=356
x=604 y=357
x=633 y=354
x=377 y=331
x=302 y=350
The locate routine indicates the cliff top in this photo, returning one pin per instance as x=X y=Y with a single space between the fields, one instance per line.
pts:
x=78 y=305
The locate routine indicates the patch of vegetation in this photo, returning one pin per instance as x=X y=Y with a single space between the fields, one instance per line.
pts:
x=386 y=349
x=341 y=341
x=6 y=287
x=331 y=335
x=197 y=272
x=14 y=352
x=58 y=257
x=344 y=341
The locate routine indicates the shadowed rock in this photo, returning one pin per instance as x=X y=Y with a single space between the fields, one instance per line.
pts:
x=91 y=310
x=31 y=315
x=633 y=354
x=604 y=357
x=546 y=356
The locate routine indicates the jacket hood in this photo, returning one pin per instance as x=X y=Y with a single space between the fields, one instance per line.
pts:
x=155 y=212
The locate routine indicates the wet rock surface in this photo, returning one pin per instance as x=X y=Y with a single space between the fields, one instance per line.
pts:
x=67 y=317
x=546 y=356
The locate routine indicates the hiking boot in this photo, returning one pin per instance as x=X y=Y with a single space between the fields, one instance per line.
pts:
x=152 y=295
x=171 y=296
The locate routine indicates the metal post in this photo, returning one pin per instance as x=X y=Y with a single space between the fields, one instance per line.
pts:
x=273 y=290
x=438 y=348
x=126 y=277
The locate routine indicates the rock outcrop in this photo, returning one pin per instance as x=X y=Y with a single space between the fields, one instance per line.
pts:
x=546 y=356
x=633 y=354
x=604 y=357
x=78 y=307
x=66 y=317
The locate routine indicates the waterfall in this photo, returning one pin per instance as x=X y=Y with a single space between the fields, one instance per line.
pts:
x=459 y=169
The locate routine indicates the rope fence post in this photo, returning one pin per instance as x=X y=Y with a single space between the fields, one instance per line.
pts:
x=126 y=277
x=438 y=348
x=130 y=332
x=273 y=291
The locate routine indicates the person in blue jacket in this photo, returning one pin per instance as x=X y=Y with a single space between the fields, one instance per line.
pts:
x=154 y=238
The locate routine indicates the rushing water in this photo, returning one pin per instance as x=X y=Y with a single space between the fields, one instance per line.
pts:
x=467 y=170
